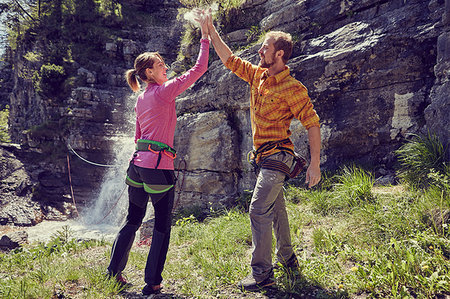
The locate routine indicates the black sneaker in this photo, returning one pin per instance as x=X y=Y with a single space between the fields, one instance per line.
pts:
x=250 y=284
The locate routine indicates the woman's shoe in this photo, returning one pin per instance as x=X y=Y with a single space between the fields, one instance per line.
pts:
x=148 y=289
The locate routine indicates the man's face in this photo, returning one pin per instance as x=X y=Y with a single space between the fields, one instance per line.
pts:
x=267 y=53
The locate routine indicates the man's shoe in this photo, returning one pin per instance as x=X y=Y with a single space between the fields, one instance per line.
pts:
x=251 y=285
x=291 y=265
x=148 y=289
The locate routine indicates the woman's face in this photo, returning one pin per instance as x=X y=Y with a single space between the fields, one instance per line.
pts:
x=158 y=72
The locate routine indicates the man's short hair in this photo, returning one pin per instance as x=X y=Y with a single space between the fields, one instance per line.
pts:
x=283 y=41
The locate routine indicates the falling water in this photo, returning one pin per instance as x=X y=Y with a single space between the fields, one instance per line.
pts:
x=109 y=208
x=110 y=205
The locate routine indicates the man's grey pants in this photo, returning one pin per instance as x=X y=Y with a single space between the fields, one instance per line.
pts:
x=266 y=208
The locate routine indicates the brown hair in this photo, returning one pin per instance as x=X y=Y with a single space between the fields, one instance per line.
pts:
x=283 y=41
x=141 y=63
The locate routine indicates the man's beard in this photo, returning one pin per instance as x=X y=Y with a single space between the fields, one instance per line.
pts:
x=264 y=64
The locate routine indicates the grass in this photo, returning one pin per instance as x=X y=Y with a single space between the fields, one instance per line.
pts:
x=385 y=242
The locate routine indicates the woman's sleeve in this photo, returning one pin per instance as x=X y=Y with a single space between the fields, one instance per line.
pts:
x=172 y=88
x=137 y=134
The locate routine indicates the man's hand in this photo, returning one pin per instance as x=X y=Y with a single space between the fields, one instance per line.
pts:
x=222 y=50
x=312 y=175
x=313 y=172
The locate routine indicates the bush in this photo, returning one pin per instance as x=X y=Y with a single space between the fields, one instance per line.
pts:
x=420 y=157
x=51 y=79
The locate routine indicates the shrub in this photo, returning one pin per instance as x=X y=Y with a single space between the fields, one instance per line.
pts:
x=419 y=157
x=51 y=79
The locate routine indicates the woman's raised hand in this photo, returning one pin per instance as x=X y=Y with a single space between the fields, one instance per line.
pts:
x=201 y=16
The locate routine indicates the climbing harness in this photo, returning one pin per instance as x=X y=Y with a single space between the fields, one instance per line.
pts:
x=298 y=164
x=141 y=145
x=156 y=147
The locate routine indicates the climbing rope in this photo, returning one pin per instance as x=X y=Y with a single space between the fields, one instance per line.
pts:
x=87 y=161
x=95 y=164
x=114 y=205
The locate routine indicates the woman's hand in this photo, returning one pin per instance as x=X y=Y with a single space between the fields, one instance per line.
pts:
x=201 y=16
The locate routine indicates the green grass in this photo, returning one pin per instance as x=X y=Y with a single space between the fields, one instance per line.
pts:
x=384 y=242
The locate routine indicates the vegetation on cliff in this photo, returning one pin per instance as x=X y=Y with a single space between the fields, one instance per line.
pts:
x=4 y=136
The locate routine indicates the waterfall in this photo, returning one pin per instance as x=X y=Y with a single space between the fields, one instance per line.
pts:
x=110 y=206
x=108 y=210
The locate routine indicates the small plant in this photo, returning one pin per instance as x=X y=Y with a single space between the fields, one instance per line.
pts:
x=253 y=34
x=242 y=203
x=32 y=56
x=186 y=220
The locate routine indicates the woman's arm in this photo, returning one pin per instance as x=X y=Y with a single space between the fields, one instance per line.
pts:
x=172 y=88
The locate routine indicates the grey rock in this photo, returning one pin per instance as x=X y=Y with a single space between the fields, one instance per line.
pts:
x=13 y=240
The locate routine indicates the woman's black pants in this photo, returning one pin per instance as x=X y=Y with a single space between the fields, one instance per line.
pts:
x=162 y=204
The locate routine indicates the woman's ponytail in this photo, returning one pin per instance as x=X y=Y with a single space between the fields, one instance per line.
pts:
x=132 y=80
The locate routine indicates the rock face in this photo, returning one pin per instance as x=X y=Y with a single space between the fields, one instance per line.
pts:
x=30 y=193
x=368 y=66
x=376 y=70
x=437 y=113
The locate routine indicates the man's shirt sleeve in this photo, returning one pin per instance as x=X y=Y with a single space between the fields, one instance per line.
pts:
x=302 y=108
x=242 y=68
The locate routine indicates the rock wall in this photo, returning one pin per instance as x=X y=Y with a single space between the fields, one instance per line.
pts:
x=437 y=114
x=376 y=70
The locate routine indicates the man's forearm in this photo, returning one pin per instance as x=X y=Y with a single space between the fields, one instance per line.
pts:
x=221 y=48
x=314 y=144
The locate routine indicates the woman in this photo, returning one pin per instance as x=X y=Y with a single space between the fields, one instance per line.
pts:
x=151 y=170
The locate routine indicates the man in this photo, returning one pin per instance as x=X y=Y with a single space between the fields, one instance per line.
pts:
x=275 y=99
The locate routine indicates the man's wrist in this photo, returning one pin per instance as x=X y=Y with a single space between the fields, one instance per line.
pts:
x=213 y=32
x=315 y=162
